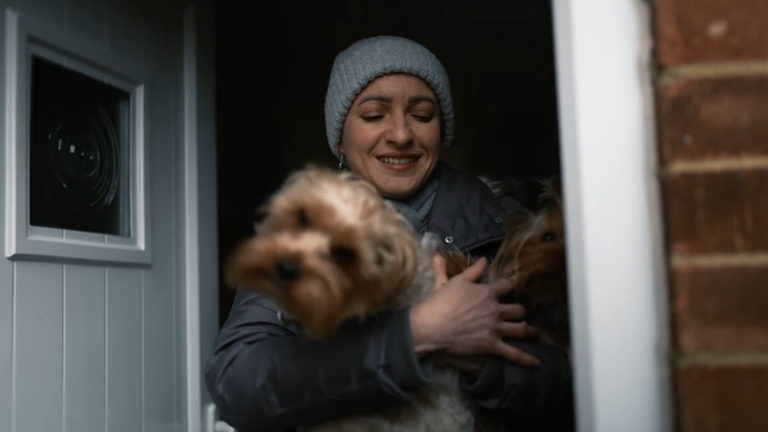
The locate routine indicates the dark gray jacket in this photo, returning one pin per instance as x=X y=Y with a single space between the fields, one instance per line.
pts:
x=264 y=379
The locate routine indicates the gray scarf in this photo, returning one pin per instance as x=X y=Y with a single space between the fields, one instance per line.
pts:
x=416 y=207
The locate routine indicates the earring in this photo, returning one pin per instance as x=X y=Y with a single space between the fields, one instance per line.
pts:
x=341 y=163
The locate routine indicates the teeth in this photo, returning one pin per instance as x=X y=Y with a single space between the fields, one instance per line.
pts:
x=397 y=160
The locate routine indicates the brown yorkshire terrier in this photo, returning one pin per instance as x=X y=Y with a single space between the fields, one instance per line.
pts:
x=532 y=254
x=331 y=249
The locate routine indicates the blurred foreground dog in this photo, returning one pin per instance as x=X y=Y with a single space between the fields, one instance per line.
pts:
x=331 y=249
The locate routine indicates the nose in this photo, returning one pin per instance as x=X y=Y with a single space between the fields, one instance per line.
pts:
x=287 y=269
x=400 y=132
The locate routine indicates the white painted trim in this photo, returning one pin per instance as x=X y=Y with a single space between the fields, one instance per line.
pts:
x=25 y=37
x=615 y=255
x=193 y=360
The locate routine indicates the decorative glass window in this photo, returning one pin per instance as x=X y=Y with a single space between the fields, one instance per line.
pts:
x=76 y=171
x=79 y=142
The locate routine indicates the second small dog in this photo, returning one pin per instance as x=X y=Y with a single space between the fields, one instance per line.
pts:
x=331 y=249
x=532 y=254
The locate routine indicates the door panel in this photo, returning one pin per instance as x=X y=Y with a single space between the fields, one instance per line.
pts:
x=94 y=346
x=85 y=331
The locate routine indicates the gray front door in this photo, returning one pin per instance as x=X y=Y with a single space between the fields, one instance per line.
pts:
x=92 y=284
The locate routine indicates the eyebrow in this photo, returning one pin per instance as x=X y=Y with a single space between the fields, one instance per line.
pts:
x=375 y=97
x=387 y=99
x=414 y=99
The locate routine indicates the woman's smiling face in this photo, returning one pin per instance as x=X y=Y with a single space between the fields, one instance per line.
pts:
x=391 y=135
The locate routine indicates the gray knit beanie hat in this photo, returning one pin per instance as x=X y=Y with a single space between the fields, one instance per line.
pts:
x=367 y=59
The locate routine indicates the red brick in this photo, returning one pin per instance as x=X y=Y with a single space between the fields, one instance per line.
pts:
x=717 y=212
x=721 y=309
x=710 y=118
x=703 y=31
x=722 y=399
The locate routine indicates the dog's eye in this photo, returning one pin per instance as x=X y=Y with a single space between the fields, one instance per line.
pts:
x=303 y=219
x=548 y=237
x=343 y=255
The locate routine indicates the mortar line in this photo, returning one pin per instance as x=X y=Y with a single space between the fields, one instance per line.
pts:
x=715 y=165
x=671 y=74
x=750 y=358
x=720 y=260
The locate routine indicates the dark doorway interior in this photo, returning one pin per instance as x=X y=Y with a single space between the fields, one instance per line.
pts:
x=273 y=64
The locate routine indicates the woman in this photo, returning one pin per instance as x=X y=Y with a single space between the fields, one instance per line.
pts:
x=388 y=115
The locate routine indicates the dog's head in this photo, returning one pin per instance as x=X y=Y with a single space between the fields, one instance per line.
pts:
x=533 y=256
x=535 y=241
x=329 y=248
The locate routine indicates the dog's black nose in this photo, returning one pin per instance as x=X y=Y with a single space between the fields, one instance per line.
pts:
x=287 y=269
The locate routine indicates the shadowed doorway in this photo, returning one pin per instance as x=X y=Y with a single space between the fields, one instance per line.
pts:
x=273 y=66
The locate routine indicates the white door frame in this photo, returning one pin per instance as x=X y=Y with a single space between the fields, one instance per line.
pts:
x=192 y=366
x=198 y=188
x=614 y=229
x=613 y=218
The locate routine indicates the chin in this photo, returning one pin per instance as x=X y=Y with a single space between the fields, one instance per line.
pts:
x=397 y=193
x=403 y=185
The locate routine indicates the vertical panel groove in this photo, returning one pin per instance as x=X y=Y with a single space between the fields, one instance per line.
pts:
x=106 y=349
x=143 y=396
x=64 y=342
x=13 y=347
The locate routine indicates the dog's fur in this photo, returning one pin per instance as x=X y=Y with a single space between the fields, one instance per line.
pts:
x=532 y=255
x=331 y=249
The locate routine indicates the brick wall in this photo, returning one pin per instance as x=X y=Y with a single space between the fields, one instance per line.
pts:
x=712 y=116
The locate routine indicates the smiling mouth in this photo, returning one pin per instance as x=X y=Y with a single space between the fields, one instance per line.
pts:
x=398 y=161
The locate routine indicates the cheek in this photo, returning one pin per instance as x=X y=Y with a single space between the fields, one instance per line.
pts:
x=429 y=137
x=356 y=139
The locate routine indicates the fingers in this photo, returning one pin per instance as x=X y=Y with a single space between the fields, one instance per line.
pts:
x=512 y=312
x=441 y=277
x=515 y=355
x=473 y=272
x=517 y=330
x=501 y=286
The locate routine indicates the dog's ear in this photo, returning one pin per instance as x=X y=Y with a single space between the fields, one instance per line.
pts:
x=236 y=270
x=552 y=192
x=261 y=213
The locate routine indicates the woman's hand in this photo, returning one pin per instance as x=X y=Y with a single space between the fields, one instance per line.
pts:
x=463 y=318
